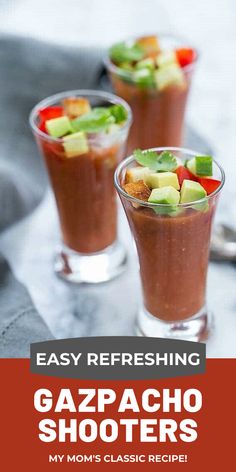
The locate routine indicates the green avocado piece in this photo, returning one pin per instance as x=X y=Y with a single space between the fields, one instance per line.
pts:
x=203 y=207
x=144 y=78
x=191 y=191
x=163 y=179
x=166 y=57
x=58 y=127
x=168 y=210
x=170 y=74
x=146 y=64
x=191 y=165
x=165 y=195
x=201 y=165
x=122 y=52
x=126 y=66
x=75 y=144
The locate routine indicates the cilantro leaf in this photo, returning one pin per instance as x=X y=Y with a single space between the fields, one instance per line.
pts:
x=94 y=121
x=119 y=112
x=121 y=52
x=163 y=162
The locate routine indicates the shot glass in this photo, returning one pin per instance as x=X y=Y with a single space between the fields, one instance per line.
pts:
x=173 y=250
x=85 y=195
x=158 y=113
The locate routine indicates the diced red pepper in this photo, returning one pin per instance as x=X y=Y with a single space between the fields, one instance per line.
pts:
x=51 y=112
x=185 y=56
x=42 y=127
x=184 y=174
x=210 y=185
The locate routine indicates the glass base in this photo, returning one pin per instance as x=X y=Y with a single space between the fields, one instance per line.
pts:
x=91 y=268
x=195 y=328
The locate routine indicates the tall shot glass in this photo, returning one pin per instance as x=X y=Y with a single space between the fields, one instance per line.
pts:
x=173 y=251
x=85 y=194
x=158 y=114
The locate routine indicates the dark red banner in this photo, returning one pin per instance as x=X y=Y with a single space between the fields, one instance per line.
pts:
x=22 y=448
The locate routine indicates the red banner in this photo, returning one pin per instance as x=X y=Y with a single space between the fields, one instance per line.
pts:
x=23 y=449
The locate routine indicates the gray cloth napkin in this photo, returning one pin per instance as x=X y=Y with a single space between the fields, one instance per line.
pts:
x=20 y=324
x=30 y=71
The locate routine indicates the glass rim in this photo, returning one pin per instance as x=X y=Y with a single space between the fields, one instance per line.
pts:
x=190 y=152
x=110 y=97
x=113 y=68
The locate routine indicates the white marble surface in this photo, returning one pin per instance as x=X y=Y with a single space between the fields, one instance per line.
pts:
x=211 y=26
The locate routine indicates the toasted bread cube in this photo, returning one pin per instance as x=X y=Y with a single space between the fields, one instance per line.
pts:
x=138 y=190
x=163 y=179
x=137 y=173
x=150 y=44
x=76 y=106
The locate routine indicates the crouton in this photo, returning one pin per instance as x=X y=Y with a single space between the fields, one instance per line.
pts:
x=138 y=190
x=76 y=106
x=150 y=44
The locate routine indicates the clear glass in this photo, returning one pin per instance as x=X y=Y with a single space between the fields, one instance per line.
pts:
x=85 y=195
x=173 y=251
x=158 y=115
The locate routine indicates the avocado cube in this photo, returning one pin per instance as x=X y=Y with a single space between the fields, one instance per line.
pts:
x=201 y=165
x=147 y=63
x=166 y=57
x=163 y=179
x=144 y=77
x=170 y=74
x=75 y=144
x=137 y=173
x=204 y=165
x=191 y=165
x=58 y=127
x=191 y=191
x=126 y=66
x=165 y=195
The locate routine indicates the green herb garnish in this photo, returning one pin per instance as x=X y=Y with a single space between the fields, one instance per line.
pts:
x=119 y=112
x=121 y=52
x=164 y=162
x=96 y=120
x=100 y=118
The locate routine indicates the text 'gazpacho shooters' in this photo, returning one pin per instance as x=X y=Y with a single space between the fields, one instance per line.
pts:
x=82 y=136
x=169 y=196
x=153 y=75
